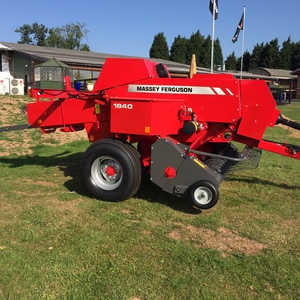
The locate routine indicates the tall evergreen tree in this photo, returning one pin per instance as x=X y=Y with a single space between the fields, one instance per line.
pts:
x=159 y=48
x=218 y=55
x=256 y=56
x=286 y=55
x=246 y=62
x=270 y=57
x=178 y=51
x=231 y=62
x=207 y=52
x=295 y=62
x=195 y=46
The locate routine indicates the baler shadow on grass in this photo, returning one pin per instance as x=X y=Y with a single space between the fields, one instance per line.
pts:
x=68 y=163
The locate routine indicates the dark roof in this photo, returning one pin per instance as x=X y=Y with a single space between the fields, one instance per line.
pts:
x=296 y=72
x=64 y=55
x=277 y=73
x=82 y=58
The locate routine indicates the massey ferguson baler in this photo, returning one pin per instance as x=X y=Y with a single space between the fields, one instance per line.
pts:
x=179 y=129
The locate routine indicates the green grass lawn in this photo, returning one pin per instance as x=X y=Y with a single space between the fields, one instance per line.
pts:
x=58 y=243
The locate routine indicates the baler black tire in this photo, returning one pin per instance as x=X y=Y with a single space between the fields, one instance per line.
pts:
x=204 y=194
x=111 y=170
x=136 y=155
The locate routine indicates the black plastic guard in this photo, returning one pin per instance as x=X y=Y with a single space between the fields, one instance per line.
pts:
x=167 y=154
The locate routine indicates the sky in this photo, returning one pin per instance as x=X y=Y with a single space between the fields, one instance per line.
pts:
x=128 y=27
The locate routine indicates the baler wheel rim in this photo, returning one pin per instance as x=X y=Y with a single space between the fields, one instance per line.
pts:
x=100 y=175
x=204 y=194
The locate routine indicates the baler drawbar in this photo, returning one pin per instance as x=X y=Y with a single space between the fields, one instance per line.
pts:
x=181 y=130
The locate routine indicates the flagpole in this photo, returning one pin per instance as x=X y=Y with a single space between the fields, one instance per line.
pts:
x=212 y=38
x=243 y=39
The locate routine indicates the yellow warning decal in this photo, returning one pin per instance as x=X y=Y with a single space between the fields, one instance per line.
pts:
x=197 y=161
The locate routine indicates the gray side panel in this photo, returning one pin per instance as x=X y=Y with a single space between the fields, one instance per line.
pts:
x=165 y=153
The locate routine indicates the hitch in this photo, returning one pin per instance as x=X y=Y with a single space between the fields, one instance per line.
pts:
x=287 y=122
x=294 y=148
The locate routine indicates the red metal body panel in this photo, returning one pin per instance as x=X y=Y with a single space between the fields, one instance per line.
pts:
x=258 y=109
x=146 y=117
x=60 y=113
x=212 y=101
x=122 y=71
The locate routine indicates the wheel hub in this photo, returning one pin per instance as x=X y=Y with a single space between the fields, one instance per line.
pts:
x=106 y=172
x=203 y=195
x=110 y=171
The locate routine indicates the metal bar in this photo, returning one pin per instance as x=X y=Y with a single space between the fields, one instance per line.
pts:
x=14 y=127
x=243 y=155
x=242 y=158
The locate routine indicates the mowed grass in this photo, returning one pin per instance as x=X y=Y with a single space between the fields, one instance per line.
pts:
x=56 y=242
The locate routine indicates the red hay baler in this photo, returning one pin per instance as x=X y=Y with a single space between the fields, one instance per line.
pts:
x=182 y=128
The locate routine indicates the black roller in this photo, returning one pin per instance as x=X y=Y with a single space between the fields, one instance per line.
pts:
x=288 y=123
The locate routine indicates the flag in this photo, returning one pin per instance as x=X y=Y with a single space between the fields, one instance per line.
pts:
x=239 y=27
x=211 y=5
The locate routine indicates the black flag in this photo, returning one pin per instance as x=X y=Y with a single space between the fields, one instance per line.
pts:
x=211 y=5
x=239 y=27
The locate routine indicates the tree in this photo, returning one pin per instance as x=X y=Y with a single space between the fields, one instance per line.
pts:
x=256 y=56
x=40 y=33
x=26 y=32
x=231 y=62
x=286 y=54
x=295 y=61
x=178 y=50
x=34 y=34
x=84 y=47
x=246 y=62
x=206 y=53
x=55 y=38
x=270 y=57
x=68 y=36
x=73 y=34
x=195 y=46
x=218 y=56
x=159 y=48
x=206 y=60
